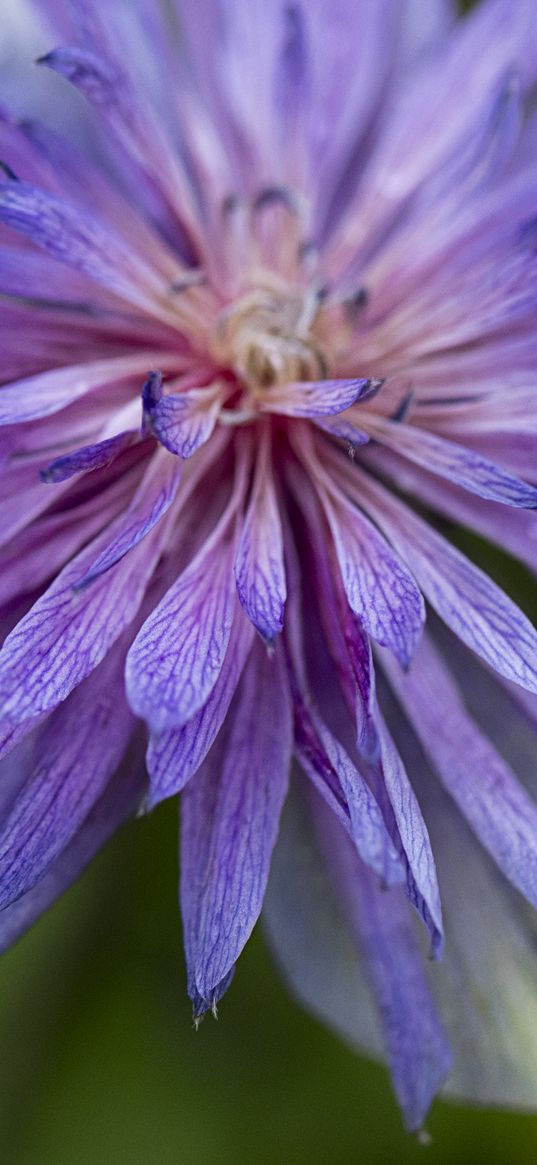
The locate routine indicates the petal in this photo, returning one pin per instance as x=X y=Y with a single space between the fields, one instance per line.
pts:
x=177 y=656
x=345 y=942
x=51 y=391
x=81 y=241
x=315 y=398
x=183 y=421
x=485 y=789
x=67 y=633
x=229 y=824
x=324 y=759
x=151 y=501
x=464 y=597
x=176 y=754
x=259 y=564
x=485 y=983
x=460 y=465
x=74 y=756
x=378 y=586
x=119 y=801
x=89 y=457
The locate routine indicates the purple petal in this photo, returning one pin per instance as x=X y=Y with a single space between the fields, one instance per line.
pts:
x=49 y=392
x=183 y=421
x=175 y=755
x=229 y=824
x=412 y=839
x=378 y=586
x=78 y=239
x=259 y=565
x=177 y=656
x=74 y=756
x=461 y=466
x=66 y=634
x=88 y=457
x=119 y=801
x=486 y=791
x=150 y=502
x=316 y=398
x=490 y=950
x=465 y=598
x=338 y=968
x=416 y=1045
x=326 y=763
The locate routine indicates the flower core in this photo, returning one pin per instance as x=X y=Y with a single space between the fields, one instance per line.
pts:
x=268 y=336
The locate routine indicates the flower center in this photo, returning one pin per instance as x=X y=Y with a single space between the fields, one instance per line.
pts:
x=268 y=337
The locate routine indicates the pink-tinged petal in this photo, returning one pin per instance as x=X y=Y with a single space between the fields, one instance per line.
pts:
x=481 y=783
x=460 y=465
x=416 y=1044
x=49 y=392
x=177 y=656
x=41 y=549
x=174 y=756
x=181 y=421
x=67 y=633
x=475 y=608
x=315 y=398
x=81 y=241
x=229 y=824
x=87 y=458
x=410 y=836
x=259 y=565
x=151 y=501
x=74 y=755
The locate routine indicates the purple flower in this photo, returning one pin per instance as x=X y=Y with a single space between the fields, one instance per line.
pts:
x=268 y=336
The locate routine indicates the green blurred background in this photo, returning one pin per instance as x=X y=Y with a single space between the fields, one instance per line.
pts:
x=99 y=1061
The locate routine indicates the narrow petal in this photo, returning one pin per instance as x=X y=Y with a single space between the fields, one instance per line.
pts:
x=485 y=983
x=86 y=458
x=177 y=656
x=119 y=801
x=151 y=501
x=230 y=818
x=460 y=465
x=78 y=239
x=259 y=565
x=316 y=398
x=49 y=392
x=477 y=610
x=74 y=755
x=378 y=586
x=485 y=789
x=412 y=837
x=174 y=756
x=343 y=945
x=67 y=633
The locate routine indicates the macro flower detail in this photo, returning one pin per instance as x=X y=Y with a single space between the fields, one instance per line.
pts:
x=269 y=340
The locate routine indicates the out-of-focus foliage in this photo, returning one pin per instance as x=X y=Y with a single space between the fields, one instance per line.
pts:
x=100 y=1062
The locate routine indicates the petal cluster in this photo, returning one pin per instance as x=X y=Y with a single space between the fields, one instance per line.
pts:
x=269 y=340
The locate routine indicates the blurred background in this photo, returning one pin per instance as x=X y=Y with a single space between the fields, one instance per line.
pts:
x=99 y=1061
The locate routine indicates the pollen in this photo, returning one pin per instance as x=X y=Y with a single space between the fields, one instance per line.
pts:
x=268 y=337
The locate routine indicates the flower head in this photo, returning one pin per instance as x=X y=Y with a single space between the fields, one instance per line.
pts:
x=268 y=336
